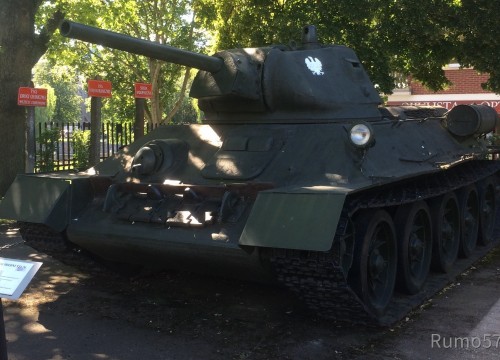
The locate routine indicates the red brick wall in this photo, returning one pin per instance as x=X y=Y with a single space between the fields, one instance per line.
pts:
x=464 y=81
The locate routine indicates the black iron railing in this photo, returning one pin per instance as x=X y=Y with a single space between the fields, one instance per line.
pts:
x=57 y=144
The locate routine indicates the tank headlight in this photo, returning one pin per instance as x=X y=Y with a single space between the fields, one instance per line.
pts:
x=361 y=135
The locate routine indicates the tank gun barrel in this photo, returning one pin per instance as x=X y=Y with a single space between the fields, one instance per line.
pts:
x=137 y=46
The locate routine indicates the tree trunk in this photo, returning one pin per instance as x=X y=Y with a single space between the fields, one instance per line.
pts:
x=187 y=75
x=182 y=95
x=16 y=48
x=95 y=131
x=155 y=70
x=20 y=49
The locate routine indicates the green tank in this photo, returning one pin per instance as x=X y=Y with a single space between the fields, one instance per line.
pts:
x=297 y=174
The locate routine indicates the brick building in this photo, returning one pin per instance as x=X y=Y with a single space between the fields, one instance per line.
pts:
x=465 y=89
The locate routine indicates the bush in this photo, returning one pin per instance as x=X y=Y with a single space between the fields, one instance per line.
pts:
x=47 y=140
x=81 y=149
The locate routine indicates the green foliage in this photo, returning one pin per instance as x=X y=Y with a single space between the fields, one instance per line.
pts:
x=7 y=222
x=479 y=41
x=45 y=114
x=165 y=22
x=81 y=149
x=187 y=113
x=403 y=36
x=397 y=36
x=64 y=81
x=48 y=141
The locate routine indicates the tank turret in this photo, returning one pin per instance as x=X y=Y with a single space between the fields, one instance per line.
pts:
x=265 y=84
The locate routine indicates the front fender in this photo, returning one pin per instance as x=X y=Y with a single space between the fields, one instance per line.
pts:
x=295 y=218
x=38 y=199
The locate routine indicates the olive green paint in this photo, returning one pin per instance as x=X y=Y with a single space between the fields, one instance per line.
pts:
x=306 y=220
x=37 y=199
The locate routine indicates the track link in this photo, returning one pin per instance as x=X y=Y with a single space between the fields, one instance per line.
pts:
x=42 y=238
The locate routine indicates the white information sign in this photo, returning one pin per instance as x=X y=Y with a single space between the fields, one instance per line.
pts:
x=15 y=275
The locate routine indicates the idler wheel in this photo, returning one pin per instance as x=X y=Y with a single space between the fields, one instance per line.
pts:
x=468 y=200
x=373 y=273
x=445 y=215
x=414 y=232
x=487 y=210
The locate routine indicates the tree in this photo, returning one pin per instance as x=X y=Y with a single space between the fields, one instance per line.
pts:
x=478 y=30
x=20 y=49
x=64 y=82
x=163 y=21
x=46 y=113
x=403 y=36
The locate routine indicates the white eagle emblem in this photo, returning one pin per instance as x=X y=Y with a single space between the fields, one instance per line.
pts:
x=314 y=65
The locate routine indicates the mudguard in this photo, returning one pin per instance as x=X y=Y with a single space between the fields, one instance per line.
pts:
x=38 y=199
x=302 y=218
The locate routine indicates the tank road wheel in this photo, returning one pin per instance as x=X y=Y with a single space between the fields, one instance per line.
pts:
x=373 y=273
x=487 y=211
x=414 y=232
x=446 y=231
x=469 y=219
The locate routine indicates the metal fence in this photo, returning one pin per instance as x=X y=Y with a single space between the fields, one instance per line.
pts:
x=57 y=152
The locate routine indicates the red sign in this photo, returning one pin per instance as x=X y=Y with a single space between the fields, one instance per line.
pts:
x=143 y=91
x=27 y=96
x=99 y=88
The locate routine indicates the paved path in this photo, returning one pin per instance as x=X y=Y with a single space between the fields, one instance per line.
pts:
x=59 y=317
x=35 y=332
x=462 y=323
